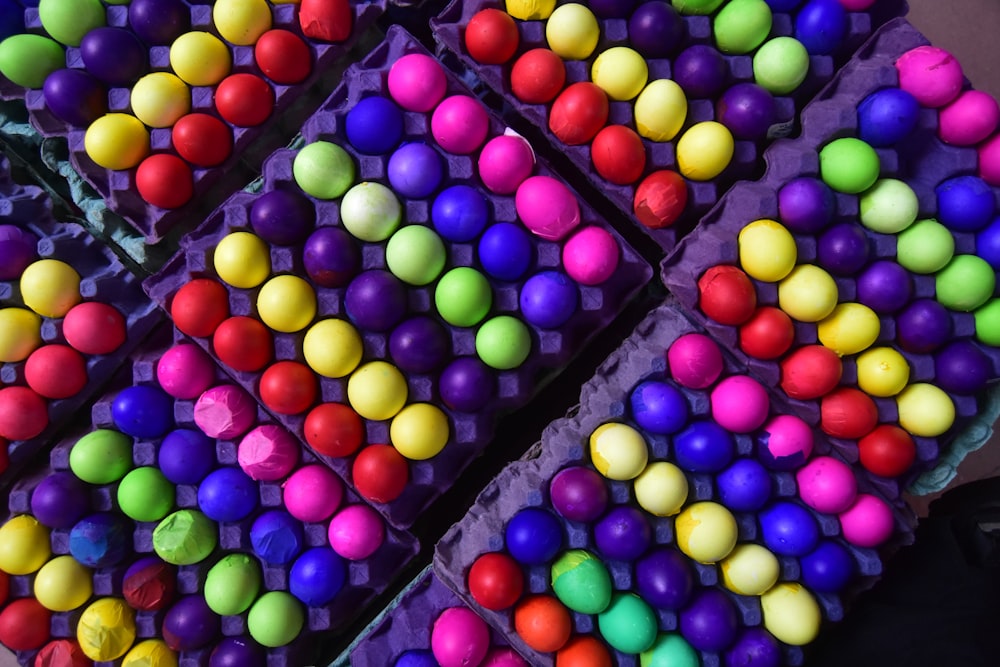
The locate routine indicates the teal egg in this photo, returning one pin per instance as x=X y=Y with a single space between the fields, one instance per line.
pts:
x=670 y=650
x=628 y=624
x=581 y=582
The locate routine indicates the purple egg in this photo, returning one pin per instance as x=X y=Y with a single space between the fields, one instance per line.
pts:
x=887 y=116
x=754 y=647
x=18 y=249
x=745 y=486
x=806 y=205
x=227 y=494
x=923 y=326
x=665 y=579
x=962 y=368
x=277 y=537
x=701 y=71
x=75 y=97
x=282 y=217
x=237 y=652
x=659 y=407
x=415 y=170
x=190 y=624
x=419 y=345
x=843 y=249
x=704 y=447
x=987 y=244
x=828 y=568
x=330 y=257
x=965 y=203
x=748 y=110
x=114 y=55
x=467 y=384
x=548 y=299
x=710 y=622
x=578 y=494
x=416 y=657
x=623 y=533
x=885 y=286
x=185 y=456
x=143 y=411
x=100 y=540
x=789 y=529
x=821 y=26
x=460 y=213
x=159 y=22
x=60 y=500
x=655 y=29
x=611 y=9
x=149 y=584
x=375 y=300
x=783 y=5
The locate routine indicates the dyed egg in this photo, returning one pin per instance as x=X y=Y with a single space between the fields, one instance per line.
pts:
x=628 y=624
x=460 y=124
x=505 y=251
x=887 y=116
x=618 y=451
x=377 y=390
x=27 y=60
x=965 y=203
x=581 y=582
x=726 y=295
x=317 y=576
x=843 y=249
x=750 y=569
x=312 y=493
x=655 y=29
x=925 y=410
x=706 y=531
x=848 y=165
x=808 y=293
x=533 y=536
x=18 y=249
x=931 y=74
x=323 y=170
x=748 y=110
x=275 y=619
x=374 y=125
x=244 y=100
x=848 y=413
x=415 y=255
x=60 y=500
x=623 y=533
x=243 y=343
x=578 y=494
x=68 y=21
x=888 y=451
x=710 y=621
x=375 y=300
x=868 y=522
x=144 y=411
x=287 y=387
x=827 y=485
x=785 y=442
x=806 y=204
x=145 y=494
x=590 y=255
x=153 y=652
x=459 y=637
x=705 y=150
x=547 y=207
x=966 y=283
x=416 y=82
x=780 y=65
x=505 y=162
x=283 y=57
x=767 y=250
x=20 y=333
x=578 y=113
x=200 y=58
x=102 y=456
x=696 y=7
x=24 y=624
x=618 y=154
x=988 y=323
x=661 y=109
x=791 y=613
x=117 y=141
x=889 y=206
x=419 y=431
x=241 y=22
x=160 y=99
x=23 y=413
x=165 y=181
x=75 y=96
x=548 y=299
x=658 y=407
x=232 y=584
x=286 y=303
x=829 y=568
x=198 y=307
x=463 y=297
x=970 y=118
x=665 y=578
x=882 y=371
x=332 y=348
x=460 y=213
x=821 y=26
x=620 y=72
x=701 y=71
x=924 y=247
x=670 y=649
x=530 y=10
x=704 y=447
x=768 y=334
x=788 y=529
x=745 y=486
x=370 y=212
x=24 y=547
x=420 y=345
x=695 y=361
x=356 y=532
x=572 y=31
x=851 y=328
x=741 y=26
x=159 y=22
x=962 y=368
x=106 y=629
x=276 y=537
x=491 y=36
x=495 y=581
x=537 y=76
x=884 y=286
x=740 y=404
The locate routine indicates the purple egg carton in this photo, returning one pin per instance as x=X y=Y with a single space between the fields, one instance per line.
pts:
x=551 y=349
x=292 y=103
x=449 y=29
x=104 y=279
x=921 y=160
x=605 y=398
x=366 y=578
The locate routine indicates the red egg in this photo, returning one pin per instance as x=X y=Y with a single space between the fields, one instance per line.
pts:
x=579 y=113
x=888 y=451
x=380 y=473
x=24 y=625
x=56 y=371
x=333 y=429
x=62 y=652
x=660 y=199
x=583 y=651
x=327 y=20
x=202 y=139
x=848 y=413
x=537 y=76
x=496 y=581
x=491 y=37
x=283 y=57
x=23 y=413
x=726 y=295
x=244 y=99
x=543 y=622
x=288 y=387
x=199 y=307
x=93 y=327
x=618 y=154
x=164 y=180
x=243 y=343
x=810 y=371
x=767 y=334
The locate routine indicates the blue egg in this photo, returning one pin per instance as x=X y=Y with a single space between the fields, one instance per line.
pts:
x=100 y=540
x=548 y=299
x=186 y=456
x=828 y=568
x=317 y=576
x=11 y=19
x=821 y=26
x=789 y=529
x=704 y=447
x=417 y=657
x=374 y=126
x=783 y=5
x=623 y=533
x=460 y=213
x=415 y=170
x=505 y=251
x=534 y=536
x=965 y=203
x=745 y=486
x=988 y=244
x=227 y=494
x=277 y=537
x=665 y=578
x=659 y=407
x=143 y=411
x=887 y=116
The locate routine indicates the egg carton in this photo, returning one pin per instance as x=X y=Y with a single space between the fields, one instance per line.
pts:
x=921 y=160
x=291 y=104
x=604 y=398
x=551 y=349
x=366 y=578
x=449 y=29
x=104 y=279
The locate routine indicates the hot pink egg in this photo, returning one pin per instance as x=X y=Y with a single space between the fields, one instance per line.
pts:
x=356 y=532
x=785 y=442
x=459 y=638
x=184 y=371
x=547 y=207
x=932 y=75
x=313 y=493
x=972 y=117
x=868 y=522
x=695 y=361
x=740 y=404
x=590 y=256
x=505 y=162
x=827 y=485
x=417 y=82
x=460 y=124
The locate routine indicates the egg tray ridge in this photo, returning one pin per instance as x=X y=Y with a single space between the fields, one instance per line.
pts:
x=103 y=279
x=366 y=578
x=551 y=349
x=211 y=184
x=524 y=483
x=921 y=160
x=448 y=28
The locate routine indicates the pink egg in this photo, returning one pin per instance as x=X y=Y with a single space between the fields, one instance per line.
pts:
x=185 y=370
x=547 y=207
x=505 y=162
x=503 y=657
x=868 y=522
x=827 y=485
x=989 y=160
x=356 y=532
x=740 y=404
x=786 y=442
x=460 y=124
x=225 y=412
x=93 y=327
x=590 y=256
x=695 y=361
x=972 y=117
x=459 y=638
x=932 y=75
x=268 y=452
x=856 y=5
x=417 y=82
x=312 y=493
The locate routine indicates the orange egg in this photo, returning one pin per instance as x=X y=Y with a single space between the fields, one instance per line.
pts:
x=543 y=623
x=583 y=651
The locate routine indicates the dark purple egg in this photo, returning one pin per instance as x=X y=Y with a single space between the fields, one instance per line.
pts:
x=828 y=568
x=60 y=500
x=75 y=97
x=611 y=9
x=923 y=326
x=704 y=447
x=548 y=299
x=190 y=624
x=789 y=529
x=100 y=540
x=665 y=579
x=11 y=19
x=18 y=249
x=806 y=205
x=965 y=203
x=237 y=652
x=159 y=22
x=962 y=368
x=578 y=494
x=655 y=29
x=330 y=257
x=745 y=486
x=186 y=456
x=843 y=249
x=748 y=110
x=821 y=26
x=623 y=533
x=885 y=286
x=114 y=55
x=375 y=300
x=710 y=622
x=701 y=71
x=783 y=5
x=282 y=217
x=419 y=345
x=987 y=244
x=754 y=647
x=467 y=384
x=149 y=584
x=887 y=116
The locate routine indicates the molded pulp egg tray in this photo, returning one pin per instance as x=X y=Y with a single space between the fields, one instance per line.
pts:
x=920 y=160
x=211 y=184
x=119 y=541
x=103 y=279
x=449 y=28
x=551 y=349
x=609 y=397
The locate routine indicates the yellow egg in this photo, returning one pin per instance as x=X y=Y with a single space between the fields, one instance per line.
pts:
x=63 y=584
x=882 y=372
x=849 y=329
x=106 y=629
x=420 y=431
x=50 y=287
x=618 y=451
x=705 y=150
x=116 y=141
x=332 y=348
x=286 y=304
x=925 y=410
x=150 y=653
x=620 y=72
x=706 y=531
x=572 y=31
x=791 y=613
x=20 y=334
x=200 y=58
x=767 y=250
x=241 y=22
x=530 y=10
x=808 y=293
x=377 y=390
x=24 y=545
x=750 y=569
x=159 y=99
x=660 y=110
x=661 y=489
x=242 y=260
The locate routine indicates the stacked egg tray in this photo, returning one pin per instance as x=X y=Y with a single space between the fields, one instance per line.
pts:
x=551 y=349
x=211 y=184
x=104 y=279
x=564 y=444
x=365 y=578
x=449 y=29
x=921 y=160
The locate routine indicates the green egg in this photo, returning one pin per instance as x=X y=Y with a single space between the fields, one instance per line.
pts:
x=581 y=582
x=965 y=284
x=185 y=537
x=848 y=165
x=145 y=494
x=232 y=584
x=696 y=7
x=780 y=65
x=67 y=21
x=102 y=456
x=28 y=59
x=988 y=323
x=628 y=624
x=889 y=206
x=925 y=246
x=275 y=619
x=741 y=26
x=670 y=650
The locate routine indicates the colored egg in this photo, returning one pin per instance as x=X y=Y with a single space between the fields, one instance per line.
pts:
x=887 y=116
x=655 y=29
x=705 y=150
x=931 y=74
x=377 y=390
x=114 y=55
x=658 y=407
x=117 y=141
x=987 y=323
x=416 y=82
x=286 y=303
x=705 y=446
x=848 y=165
x=459 y=637
x=590 y=255
x=768 y=334
x=628 y=624
x=808 y=293
x=969 y=119
x=275 y=619
x=701 y=71
x=20 y=333
x=966 y=283
x=847 y=412
x=623 y=534
x=868 y=522
x=726 y=295
x=244 y=99
x=67 y=21
x=495 y=581
x=821 y=26
x=533 y=536
x=620 y=72
x=374 y=125
x=925 y=247
x=165 y=181
x=503 y=342
x=665 y=578
x=884 y=286
x=695 y=361
x=660 y=199
x=332 y=348
x=276 y=537
x=185 y=537
x=200 y=58
x=670 y=650
x=63 y=584
x=356 y=532
x=370 y=212
x=24 y=624
x=312 y=493
x=785 y=442
x=851 y=328
x=317 y=576
x=160 y=99
x=283 y=57
x=710 y=621
x=152 y=652
x=827 y=485
x=706 y=531
x=780 y=65
x=287 y=387
x=572 y=31
x=578 y=113
x=788 y=529
x=242 y=259
x=578 y=494
x=660 y=110
x=241 y=22
x=102 y=456
x=748 y=110
x=460 y=124
x=419 y=431
x=581 y=582
x=888 y=451
x=491 y=36
x=159 y=22
x=537 y=76
x=696 y=7
x=106 y=629
x=741 y=26
x=618 y=451
x=882 y=371
x=375 y=300
x=806 y=204
x=75 y=96
x=50 y=287
x=750 y=569
x=962 y=368
x=24 y=547
x=791 y=613
x=925 y=410
x=889 y=206
x=965 y=203
x=844 y=249
x=745 y=486
x=547 y=207
x=145 y=494
x=415 y=255
x=739 y=404
x=829 y=568
x=28 y=59
x=767 y=250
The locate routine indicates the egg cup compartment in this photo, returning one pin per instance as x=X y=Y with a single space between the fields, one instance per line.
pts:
x=449 y=29
x=605 y=398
